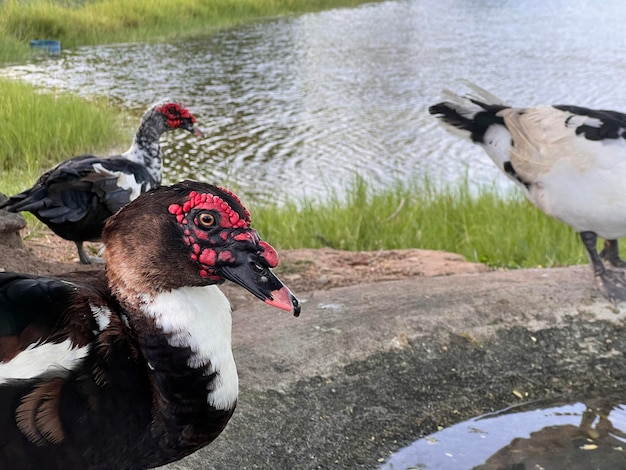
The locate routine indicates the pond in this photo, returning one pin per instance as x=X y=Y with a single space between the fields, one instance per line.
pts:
x=298 y=106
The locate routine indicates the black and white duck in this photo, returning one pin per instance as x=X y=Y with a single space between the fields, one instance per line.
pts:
x=569 y=161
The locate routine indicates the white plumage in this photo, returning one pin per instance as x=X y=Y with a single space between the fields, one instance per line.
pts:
x=207 y=333
x=569 y=161
x=53 y=359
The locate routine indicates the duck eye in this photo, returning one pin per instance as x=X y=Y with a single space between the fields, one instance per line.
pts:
x=206 y=220
x=256 y=267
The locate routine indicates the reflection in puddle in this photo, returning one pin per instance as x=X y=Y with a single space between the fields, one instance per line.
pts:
x=587 y=434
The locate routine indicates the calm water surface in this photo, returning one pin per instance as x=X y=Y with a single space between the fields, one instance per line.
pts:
x=299 y=105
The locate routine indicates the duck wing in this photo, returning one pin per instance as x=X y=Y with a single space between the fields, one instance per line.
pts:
x=43 y=324
x=543 y=135
x=68 y=192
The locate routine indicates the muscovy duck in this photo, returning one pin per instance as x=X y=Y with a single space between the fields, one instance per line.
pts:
x=132 y=367
x=569 y=161
x=76 y=197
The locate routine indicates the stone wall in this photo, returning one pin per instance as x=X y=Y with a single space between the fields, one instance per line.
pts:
x=10 y=226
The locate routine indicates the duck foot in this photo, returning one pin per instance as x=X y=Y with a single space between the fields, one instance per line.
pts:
x=613 y=285
x=610 y=253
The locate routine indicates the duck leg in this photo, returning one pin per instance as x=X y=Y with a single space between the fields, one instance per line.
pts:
x=610 y=252
x=612 y=283
x=84 y=258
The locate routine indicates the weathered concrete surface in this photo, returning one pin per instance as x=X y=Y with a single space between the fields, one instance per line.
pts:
x=368 y=369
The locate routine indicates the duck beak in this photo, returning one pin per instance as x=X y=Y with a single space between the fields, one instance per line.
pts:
x=190 y=126
x=197 y=132
x=255 y=276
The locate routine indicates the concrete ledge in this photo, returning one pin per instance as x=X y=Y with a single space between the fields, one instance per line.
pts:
x=368 y=369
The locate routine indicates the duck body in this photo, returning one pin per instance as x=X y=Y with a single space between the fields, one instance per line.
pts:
x=75 y=198
x=132 y=368
x=132 y=403
x=573 y=168
x=569 y=161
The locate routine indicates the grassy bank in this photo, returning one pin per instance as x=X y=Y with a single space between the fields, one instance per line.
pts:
x=105 y=21
x=507 y=231
x=41 y=129
x=502 y=231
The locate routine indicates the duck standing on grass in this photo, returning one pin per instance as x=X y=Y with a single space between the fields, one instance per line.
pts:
x=132 y=367
x=569 y=161
x=76 y=197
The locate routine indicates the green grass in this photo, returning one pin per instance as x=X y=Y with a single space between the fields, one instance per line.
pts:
x=42 y=129
x=501 y=231
x=81 y=22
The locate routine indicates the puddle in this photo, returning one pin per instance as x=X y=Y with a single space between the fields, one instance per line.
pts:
x=587 y=434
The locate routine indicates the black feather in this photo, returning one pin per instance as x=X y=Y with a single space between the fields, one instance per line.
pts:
x=612 y=125
x=476 y=125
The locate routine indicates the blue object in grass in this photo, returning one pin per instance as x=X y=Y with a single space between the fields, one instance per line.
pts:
x=49 y=46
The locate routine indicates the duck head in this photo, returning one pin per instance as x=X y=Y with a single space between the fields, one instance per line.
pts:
x=172 y=115
x=191 y=234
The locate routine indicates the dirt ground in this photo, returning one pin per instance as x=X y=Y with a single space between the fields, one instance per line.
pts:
x=302 y=270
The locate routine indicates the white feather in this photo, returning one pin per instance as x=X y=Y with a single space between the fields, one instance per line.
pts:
x=40 y=358
x=588 y=197
x=124 y=180
x=200 y=318
x=102 y=315
x=574 y=179
x=481 y=94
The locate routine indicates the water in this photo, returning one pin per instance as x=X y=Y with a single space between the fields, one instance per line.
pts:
x=577 y=435
x=297 y=106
